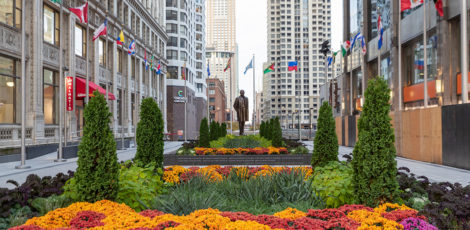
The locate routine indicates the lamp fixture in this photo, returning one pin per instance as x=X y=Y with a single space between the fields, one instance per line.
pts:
x=10 y=84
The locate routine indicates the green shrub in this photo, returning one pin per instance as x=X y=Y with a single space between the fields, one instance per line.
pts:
x=17 y=217
x=276 y=133
x=223 y=130
x=326 y=142
x=204 y=137
x=374 y=164
x=186 y=151
x=249 y=141
x=45 y=205
x=262 y=128
x=150 y=134
x=298 y=150
x=214 y=131
x=139 y=185
x=333 y=183
x=97 y=176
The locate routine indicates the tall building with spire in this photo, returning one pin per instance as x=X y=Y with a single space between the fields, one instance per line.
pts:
x=296 y=30
x=221 y=45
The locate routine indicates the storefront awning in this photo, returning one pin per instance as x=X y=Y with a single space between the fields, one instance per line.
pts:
x=81 y=86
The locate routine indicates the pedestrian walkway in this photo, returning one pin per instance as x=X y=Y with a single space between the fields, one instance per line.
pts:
x=45 y=165
x=435 y=172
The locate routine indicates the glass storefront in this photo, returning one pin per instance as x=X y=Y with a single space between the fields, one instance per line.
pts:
x=10 y=91
x=414 y=60
x=51 y=97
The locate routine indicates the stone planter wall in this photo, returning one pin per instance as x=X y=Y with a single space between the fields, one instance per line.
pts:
x=173 y=159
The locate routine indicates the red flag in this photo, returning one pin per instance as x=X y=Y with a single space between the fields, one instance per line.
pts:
x=81 y=12
x=410 y=4
x=438 y=4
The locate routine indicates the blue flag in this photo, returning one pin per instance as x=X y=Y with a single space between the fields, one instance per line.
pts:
x=358 y=36
x=208 y=70
x=330 y=60
x=249 y=66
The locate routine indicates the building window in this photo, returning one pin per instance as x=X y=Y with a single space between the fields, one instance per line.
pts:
x=102 y=53
x=172 y=72
x=10 y=12
x=80 y=41
x=211 y=92
x=51 y=97
x=212 y=99
x=10 y=94
x=119 y=60
x=51 y=25
x=414 y=60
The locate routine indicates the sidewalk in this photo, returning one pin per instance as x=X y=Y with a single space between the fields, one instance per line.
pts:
x=435 y=172
x=45 y=165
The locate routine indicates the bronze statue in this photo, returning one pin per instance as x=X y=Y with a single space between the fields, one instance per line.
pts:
x=241 y=106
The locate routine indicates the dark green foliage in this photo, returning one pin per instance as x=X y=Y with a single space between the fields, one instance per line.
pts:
x=223 y=130
x=267 y=131
x=326 y=141
x=262 y=128
x=204 y=137
x=45 y=205
x=260 y=195
x=248 y=141
x=150 y=134
x=374 y=164
x=213 y=131
x=276 y=132
x=97 y=174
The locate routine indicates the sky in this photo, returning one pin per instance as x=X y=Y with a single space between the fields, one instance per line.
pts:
x=252 y=39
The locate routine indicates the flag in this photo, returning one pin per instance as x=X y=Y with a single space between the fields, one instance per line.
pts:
x=438 y=5
x=269 y=69
x=419 y=64
x=57 y=1
x=151 y=62
x=120 y=39
x=131 y=50
x=145 y=60
x=357 y=37
x=249 y=66
x=229 y=64
x=380 y=29
x=81 y=12
x=330 y=60
x=183 y=71
x=208 y=70
x=292 y=65
x=344 y=47
x=364 y=45
x=159 y=71
x=102 y=30
x=334 y=56
x=410 y=4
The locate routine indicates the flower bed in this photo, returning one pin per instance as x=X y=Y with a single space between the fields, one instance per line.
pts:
x=244 y=151
x=109 y=215
x=177 y=174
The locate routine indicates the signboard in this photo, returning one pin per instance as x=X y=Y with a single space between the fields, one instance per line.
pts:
x=180 y=132
x=69 y=93
x=179 y=98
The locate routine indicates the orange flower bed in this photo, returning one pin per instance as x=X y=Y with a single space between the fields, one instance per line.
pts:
x=241 y=151
x=110 y=215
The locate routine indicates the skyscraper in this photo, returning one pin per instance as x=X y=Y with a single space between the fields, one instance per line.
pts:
x=221 y=44
x=185 y=25
x=296 y=30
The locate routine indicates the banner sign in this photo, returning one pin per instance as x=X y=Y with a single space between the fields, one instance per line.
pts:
x=69 y=93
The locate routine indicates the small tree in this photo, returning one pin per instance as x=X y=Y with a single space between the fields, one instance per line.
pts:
x=223 y=130
x=261 y=129
x=374 y=164
x=276 y=133
x=326 y=142
x=204 y=138
x=214 y=131
x=267 y=131
x=97 y=174
x=150 y=134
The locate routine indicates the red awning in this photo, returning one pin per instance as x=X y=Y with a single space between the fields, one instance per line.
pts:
x=81 y=86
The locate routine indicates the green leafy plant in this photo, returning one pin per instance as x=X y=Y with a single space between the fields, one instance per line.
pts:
x=326 y=142
x=298 y=150
x=333 y=183
x=223 y=130
x=204 y=137
x=150 y=134
x=374 y=164
x=249 y=141
x=45 y=205
x=262 y=128
x=97 y=175
x=214 y=131
x=17 y=217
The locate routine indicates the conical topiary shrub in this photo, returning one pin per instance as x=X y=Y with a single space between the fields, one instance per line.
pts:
x=267 y=131
x=374 y=164
x=150 y=134
x=98 y=170
x=204 y=139
x=326 y=142
x=223 y=130
x=213 y=131
x=276 y=133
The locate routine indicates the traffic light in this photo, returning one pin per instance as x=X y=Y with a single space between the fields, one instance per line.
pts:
x=325 y=47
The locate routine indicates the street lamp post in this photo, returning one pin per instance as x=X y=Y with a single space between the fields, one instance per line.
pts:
x=310 y=118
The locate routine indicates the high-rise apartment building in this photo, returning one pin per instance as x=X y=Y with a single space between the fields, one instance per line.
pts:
x=185 y=25
x=221 y=45
x=296 y=30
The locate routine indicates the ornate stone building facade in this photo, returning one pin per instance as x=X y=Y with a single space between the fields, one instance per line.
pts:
x=109 y=65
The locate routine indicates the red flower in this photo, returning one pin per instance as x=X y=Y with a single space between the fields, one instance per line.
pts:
x=165 y=225
x=87 y=219
x=342 y=223
x=399 y=215
x=234 y=216
x=349 y=208
x=151 y=213
x=325 y=214
x=274 y=222
x=185 y=177
x=26 y=227
x=309 y=223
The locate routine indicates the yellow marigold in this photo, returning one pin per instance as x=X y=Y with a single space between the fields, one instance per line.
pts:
x=388 y=207
x=202 y=212
x=242 y=225
x=210 y=173
x=273 y=150
x=290 y=213
x=212 y=221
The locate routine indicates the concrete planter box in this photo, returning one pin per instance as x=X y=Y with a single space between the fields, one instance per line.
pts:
x=173 y=159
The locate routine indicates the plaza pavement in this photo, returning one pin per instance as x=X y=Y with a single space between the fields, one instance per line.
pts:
x=45 y=166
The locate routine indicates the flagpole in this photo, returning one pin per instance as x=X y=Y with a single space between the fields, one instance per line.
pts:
x=361 y=62
x=351 y=81
x=61 y=94
x=231 y=104
x=464 y=44
x=87 y=92
x=106 y=61
x=254 y=96
x=425 y=44
x=135 y=96
x=400 y=106
x=380 y=50
x=185 y=103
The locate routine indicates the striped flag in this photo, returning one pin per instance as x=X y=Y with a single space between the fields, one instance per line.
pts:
x=229 y=64
x=81 y=12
